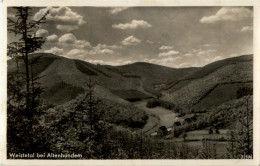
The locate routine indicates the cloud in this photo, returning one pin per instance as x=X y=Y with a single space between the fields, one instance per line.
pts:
x=76 y=52
x=167 y=61
x=196 y=50
x=103 y=46
x=67 y=28
x=96 y=50
x=188 y=54
x=149 y=41
x=206 y=52
x=82 y=52
x=134 y=24
x=55 y=50
x=228 y=14
x=184 y=65
x=212 y=59
x=68 y=38
x=96 y=61
x=163 y=47
x=63 y=17
x=206 y=45
x=118 y=62
x=233 y=55
x=116 y=10
x=131 y=40
x=169 y=53
x=217 y=58
x=104 y=49
x=52 y=38
x=200 y=57
x=42 y=33
x=82 y=44
x=247 y=29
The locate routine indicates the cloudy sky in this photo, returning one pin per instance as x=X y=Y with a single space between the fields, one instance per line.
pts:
x=171 y=36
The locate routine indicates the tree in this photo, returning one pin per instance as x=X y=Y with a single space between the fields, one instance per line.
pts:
x=24 y=107
x=232 y=146
x=87 y=110
x=210 y=131
x=241 y=139
x=141 y=145
x=86 y=123
x=24 y=28
x=217 y=131
x=184 y=136
x=246 y=131
x=14 y=54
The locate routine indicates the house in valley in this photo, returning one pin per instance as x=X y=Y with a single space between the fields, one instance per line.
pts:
x=177 y=123
x=190 y=118
x=187 y=121
x=162 y=131
x=194 y=117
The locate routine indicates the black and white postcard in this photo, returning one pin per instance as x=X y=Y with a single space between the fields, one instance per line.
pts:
x=121 y=83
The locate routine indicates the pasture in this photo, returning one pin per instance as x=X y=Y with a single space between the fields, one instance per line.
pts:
x=158 y=116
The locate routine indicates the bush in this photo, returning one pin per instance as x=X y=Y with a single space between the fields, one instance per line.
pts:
x=161 y=103
x=123 y=114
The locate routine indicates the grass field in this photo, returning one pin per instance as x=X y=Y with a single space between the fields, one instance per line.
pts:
x=158 y=116
x=203 y=134
x=221 y=147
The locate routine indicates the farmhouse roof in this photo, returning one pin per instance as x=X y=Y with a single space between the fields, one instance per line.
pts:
x=163 y=128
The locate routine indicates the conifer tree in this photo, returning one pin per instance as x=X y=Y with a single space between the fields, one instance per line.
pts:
x=23 y=103
x=24 y=28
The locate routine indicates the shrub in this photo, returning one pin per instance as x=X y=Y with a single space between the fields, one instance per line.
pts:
x=165 y=104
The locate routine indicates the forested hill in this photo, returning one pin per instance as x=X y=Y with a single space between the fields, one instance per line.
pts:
x=213 y=84
x=63 y=79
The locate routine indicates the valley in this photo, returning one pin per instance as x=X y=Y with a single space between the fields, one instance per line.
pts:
x=158 y=116
x=192 y=101
x=129 y=82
